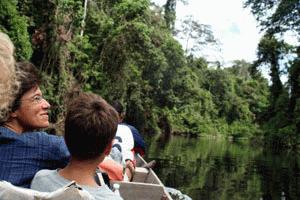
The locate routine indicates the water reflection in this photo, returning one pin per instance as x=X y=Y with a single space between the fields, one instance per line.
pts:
x=217 y=169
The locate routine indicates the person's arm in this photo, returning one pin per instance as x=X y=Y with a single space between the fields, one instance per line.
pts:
x=139 y=143
x=130 y=169
x=62 y=153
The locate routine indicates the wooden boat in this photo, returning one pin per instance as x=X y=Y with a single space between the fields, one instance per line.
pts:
x=144 y=185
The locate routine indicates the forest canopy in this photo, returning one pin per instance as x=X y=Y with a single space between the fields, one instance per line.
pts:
x=125 y=50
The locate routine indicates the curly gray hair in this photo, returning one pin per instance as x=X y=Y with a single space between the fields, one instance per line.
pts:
x=8 y=79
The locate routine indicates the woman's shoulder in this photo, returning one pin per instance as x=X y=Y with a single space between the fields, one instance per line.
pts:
x=53 y=142
x=41 y=135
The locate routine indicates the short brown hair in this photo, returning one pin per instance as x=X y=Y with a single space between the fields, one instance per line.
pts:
x=90 y=125
x=28 y=79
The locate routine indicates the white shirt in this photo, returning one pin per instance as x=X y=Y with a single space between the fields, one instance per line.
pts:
x=124 y=138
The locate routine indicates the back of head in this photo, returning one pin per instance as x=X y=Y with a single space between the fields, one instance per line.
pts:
x=90 y=126
x=8 y=82
x=120 y=109
x=6 y=51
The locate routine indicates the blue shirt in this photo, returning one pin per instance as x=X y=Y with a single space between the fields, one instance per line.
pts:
x=22 y=155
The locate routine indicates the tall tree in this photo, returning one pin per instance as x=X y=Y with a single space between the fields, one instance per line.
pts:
x=294 y=79
x=279 y=15
x=170 y=13
x=270 y=53
x=195 y=35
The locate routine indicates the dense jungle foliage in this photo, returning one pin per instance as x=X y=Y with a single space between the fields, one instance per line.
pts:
x=125 y=50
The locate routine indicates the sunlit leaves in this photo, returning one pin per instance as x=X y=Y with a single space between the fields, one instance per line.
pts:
x=15 y=25
x=195 y=35
x=278 y=15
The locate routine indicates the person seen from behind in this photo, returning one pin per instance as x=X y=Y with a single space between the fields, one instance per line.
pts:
x=90 y=126
x=120 y=164
x=139 y=146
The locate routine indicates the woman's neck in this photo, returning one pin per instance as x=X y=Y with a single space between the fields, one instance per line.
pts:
x=15 y=127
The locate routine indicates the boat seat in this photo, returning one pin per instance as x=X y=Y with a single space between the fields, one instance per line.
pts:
x=145 y=185
x=143 y=175
x=140 y=175
x=145 y=191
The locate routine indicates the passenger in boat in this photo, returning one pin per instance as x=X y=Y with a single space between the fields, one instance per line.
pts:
x=120 y=165
x=90 y=127
x=24 y=151
x=8 y=82
x=139 y=146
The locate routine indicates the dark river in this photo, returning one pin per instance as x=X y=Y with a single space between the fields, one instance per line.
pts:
x=211 y=169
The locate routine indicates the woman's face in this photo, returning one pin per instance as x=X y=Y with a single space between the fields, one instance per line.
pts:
x=33 y=111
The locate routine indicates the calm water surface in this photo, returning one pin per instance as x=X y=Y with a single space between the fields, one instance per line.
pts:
x=218 y=169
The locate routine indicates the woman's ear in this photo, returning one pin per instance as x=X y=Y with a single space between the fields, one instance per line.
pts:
x=13 y=114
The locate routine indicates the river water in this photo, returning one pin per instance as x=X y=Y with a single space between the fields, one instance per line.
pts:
x=212 y=169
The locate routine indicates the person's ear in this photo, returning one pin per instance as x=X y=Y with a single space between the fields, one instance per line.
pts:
x=108 y=149
x=13 y=114
x=122 y=116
